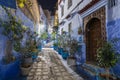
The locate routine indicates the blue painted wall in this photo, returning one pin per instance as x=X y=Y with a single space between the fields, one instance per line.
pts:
x=113 y=31
x=12 y=70
x=25 y=21
x=3 y=16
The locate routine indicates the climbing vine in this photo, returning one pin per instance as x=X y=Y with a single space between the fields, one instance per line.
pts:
x=13 y=30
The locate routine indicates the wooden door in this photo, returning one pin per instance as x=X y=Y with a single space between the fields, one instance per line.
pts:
x=93 y=35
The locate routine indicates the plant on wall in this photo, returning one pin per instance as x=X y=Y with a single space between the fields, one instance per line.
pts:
x=73 y=46
x=44 y=35
x=55 y=28
x=13 y=30
x=106 y=57
x=60 y=41
x=53 y=35
x=65 y=44
x=28 y=49
x=80 y=30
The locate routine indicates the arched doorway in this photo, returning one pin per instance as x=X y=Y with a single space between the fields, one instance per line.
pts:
x=93 y=34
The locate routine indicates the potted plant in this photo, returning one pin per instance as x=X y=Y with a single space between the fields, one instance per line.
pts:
x=39 y=44
x=44 y=35
x=55 y=45
x=28 y=52
x=73 y=49
x=80 y=30
x=106 y=58
x=26 y=60
x=60 y=49
x=65 y=47
x=53 y=35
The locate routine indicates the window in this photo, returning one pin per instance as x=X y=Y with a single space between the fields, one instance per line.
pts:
x=112 y=3
x=62 y=10
x=69 y=3
x=62 y=31
x=69 y=28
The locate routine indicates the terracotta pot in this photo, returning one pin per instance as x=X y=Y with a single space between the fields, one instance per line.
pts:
x=110 y=76
x=27 y=62
x=71 y=61
x=25 y=71
x=26 y=66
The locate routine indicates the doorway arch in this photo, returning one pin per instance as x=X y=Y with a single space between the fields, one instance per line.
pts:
x=93 y=34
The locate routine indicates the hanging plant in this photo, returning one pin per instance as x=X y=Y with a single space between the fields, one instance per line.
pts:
x=80 y=30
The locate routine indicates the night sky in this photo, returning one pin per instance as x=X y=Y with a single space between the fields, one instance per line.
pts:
x=48 y=4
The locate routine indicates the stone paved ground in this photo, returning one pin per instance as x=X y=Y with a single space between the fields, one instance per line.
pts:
x=49 y=68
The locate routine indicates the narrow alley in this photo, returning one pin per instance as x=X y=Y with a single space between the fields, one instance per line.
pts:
x=50 y=67
x=59 y=39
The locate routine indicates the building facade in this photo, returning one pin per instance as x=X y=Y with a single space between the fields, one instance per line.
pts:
x=96 y=19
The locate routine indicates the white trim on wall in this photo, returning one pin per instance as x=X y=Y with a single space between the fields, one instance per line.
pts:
x=100 y=4
x=106 y=20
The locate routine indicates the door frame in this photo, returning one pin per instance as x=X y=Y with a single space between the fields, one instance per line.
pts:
x=99 y=14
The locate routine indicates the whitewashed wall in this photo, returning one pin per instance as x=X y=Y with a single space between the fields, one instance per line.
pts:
x=114 y=12
x=74 y=4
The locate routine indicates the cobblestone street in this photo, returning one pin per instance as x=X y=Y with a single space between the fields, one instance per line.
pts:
x=49 y=67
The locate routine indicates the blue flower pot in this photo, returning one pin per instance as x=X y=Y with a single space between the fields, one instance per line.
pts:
x=34 y=55
x=10 y=71
x=40 y=48
x=60 y=51
x=65 y=55
x=55 y=47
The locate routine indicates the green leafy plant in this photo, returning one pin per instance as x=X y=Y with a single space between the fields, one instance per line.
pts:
x=73 y=46
x=55 y=29
x=79 y=30
x=44 y=35
x=29 y=48
x=13 y=30
x=106 y=57
x=12 y=27
x=55 y=44
x=65 y=42
x=53 y=35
